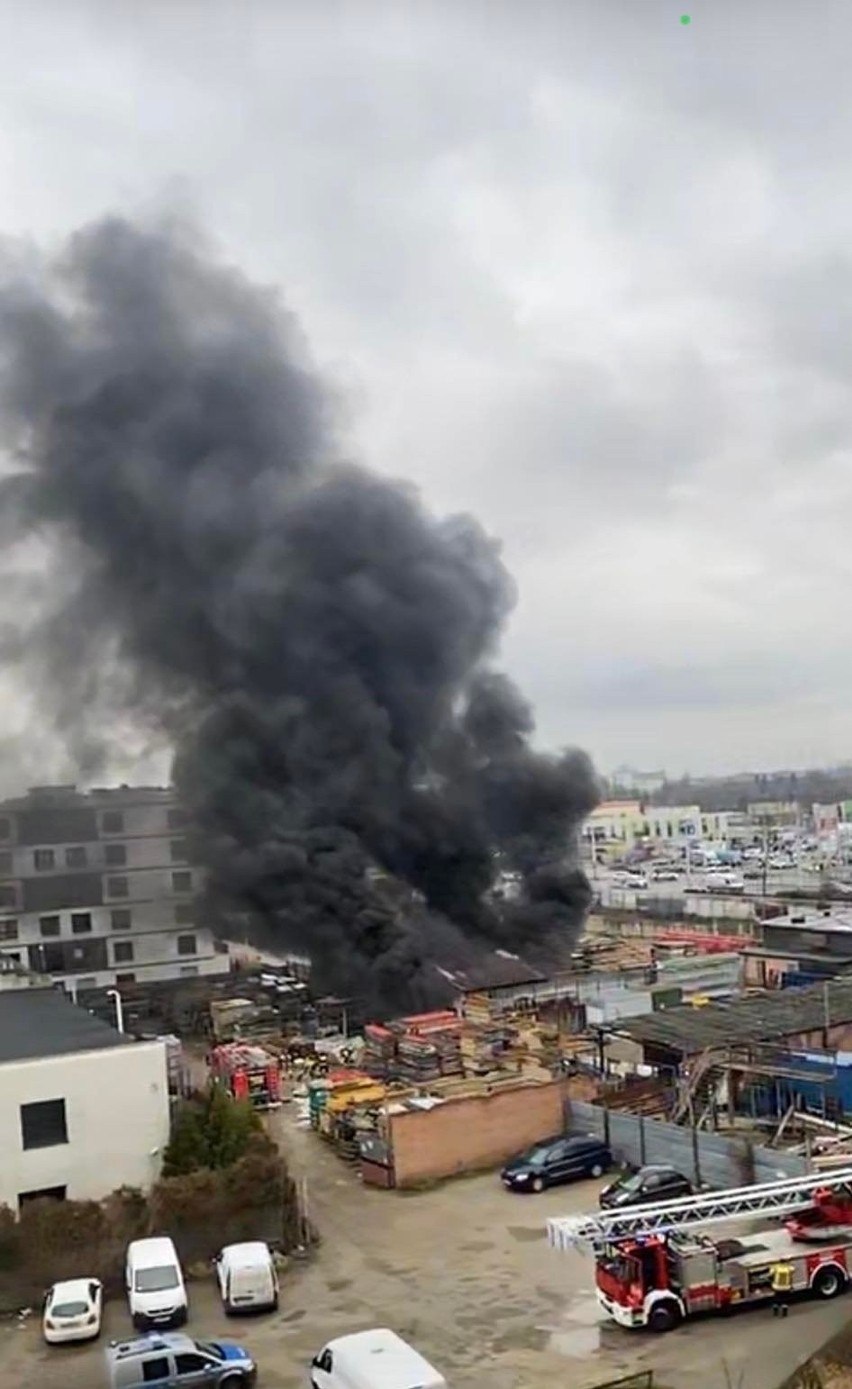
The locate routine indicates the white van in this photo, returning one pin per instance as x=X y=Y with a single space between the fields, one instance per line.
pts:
x=248 y=1281
x=153 y=1277
x=373 y=1360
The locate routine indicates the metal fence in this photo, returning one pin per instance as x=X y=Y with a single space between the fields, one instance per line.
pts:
x=703 y=1157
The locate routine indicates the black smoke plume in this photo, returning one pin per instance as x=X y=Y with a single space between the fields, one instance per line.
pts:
x=313 y=642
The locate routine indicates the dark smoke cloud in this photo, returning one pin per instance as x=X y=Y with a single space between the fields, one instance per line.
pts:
x=313 y=642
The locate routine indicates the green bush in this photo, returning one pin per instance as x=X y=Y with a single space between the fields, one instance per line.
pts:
x=212 y=1131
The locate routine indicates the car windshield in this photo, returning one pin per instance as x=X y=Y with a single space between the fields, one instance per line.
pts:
x=156 y=1280
x=633 y=1181
x=537 y=1157
x=69 y=1309
x=210 y=1348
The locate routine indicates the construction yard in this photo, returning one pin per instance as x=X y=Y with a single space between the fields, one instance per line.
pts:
x=464 y=1271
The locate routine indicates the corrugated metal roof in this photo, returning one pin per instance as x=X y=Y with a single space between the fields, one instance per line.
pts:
x=36 y=1023
x=760 y=1018
x=494 y=971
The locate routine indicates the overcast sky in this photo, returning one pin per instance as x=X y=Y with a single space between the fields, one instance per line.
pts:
x=578 y=267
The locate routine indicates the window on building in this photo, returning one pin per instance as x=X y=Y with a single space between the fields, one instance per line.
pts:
x=8 y=930
x=187 y=945
x=155 y=1371
x=125 y=979
x=8 y=895
x=177 y=818
x=180 y=852
x=182 y=881
x=184 y=913
x=43 y=1124
x=13 y=955
x=76 y=857
x=112 y=822
x=122 y=952
x=121 y=919
x=43 y=860
x=44 y=1193
x=89 y=982
x=5 y=860
x=115 y=855
x=5 y=827
x=81 y=923
x=49 y=925
x=187 y=970
x=117 y=887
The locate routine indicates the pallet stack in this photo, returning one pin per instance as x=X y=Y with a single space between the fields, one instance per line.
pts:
x=379 y=1055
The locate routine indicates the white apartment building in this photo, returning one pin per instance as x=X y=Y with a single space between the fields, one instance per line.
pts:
x=97 y=888
x=65 y=1076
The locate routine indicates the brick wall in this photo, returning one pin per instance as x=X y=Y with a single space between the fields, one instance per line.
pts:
x=479 y=1132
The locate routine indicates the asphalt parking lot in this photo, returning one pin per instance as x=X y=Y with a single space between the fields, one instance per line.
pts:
x=463 y=1271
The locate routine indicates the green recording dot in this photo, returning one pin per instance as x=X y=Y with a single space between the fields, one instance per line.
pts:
x=685 y=19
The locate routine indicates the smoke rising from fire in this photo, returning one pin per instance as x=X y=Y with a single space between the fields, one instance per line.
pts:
x=314 y=643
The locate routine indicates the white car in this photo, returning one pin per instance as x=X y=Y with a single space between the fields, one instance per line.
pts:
x=665 y=875
x=72 y=1311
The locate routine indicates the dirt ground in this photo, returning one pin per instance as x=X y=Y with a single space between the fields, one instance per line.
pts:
x=465 y=1273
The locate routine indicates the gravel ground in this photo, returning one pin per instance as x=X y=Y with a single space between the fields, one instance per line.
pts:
x=464 y=1272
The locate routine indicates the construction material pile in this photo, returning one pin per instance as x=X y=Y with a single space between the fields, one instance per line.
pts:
x=428 y=1047
x=414 y=1050
x=379 y=1055
x=485 y=1037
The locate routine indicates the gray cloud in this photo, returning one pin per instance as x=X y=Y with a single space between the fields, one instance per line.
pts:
x=582 y=271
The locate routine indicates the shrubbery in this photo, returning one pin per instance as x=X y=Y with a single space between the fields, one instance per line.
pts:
x=228 y=1182
x=212 y=1130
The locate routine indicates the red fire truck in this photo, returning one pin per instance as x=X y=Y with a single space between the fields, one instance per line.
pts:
x=659 y=1280
x=656 y=1265
x=250 y=1073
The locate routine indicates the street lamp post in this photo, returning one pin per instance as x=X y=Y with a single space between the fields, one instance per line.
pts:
x=119 y=1008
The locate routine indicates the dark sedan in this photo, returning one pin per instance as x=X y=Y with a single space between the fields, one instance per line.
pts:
x=556 y=1160
x=645 y=1187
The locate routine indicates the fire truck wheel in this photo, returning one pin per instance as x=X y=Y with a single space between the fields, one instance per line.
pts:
x=538 y=1185
x=664 y=1316
x=829 y=1282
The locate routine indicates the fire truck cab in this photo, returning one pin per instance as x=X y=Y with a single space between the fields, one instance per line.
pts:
x=658 y=1280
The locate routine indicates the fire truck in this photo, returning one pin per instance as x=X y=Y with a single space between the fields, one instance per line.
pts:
x=250 y=1073
x=654 y=1268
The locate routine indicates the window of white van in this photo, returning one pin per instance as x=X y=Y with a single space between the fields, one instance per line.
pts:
x=156 y=1280
x=323 y=1362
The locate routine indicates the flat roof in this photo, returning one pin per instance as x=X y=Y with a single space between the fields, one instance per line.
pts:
x=761 y=1017
x=36 y=1023
x=837 y=920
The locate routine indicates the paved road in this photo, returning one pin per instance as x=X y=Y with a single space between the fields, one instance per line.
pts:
x=463 y=1271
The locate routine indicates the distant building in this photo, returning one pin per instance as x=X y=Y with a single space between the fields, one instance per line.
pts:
x=97 y=888
x=644 y=783
x=83 y=1109
x=803 y=946
x=615 y=827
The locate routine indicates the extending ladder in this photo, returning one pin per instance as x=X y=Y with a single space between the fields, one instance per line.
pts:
x=710 y=1208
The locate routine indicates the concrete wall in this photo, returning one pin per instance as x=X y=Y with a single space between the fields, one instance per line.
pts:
x=466 y=1134
x=117 y=1115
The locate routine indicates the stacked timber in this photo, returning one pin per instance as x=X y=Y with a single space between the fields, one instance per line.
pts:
x=379 y=1055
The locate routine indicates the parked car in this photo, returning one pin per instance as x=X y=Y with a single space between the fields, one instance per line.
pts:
x=72 y=1311
x=378 y=1357
x=247 y=1278
x=156 y=1291
x=665 y=875
x=728 y=882
x=175 y=1359
x=644 y=1187
x=557 y=1160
